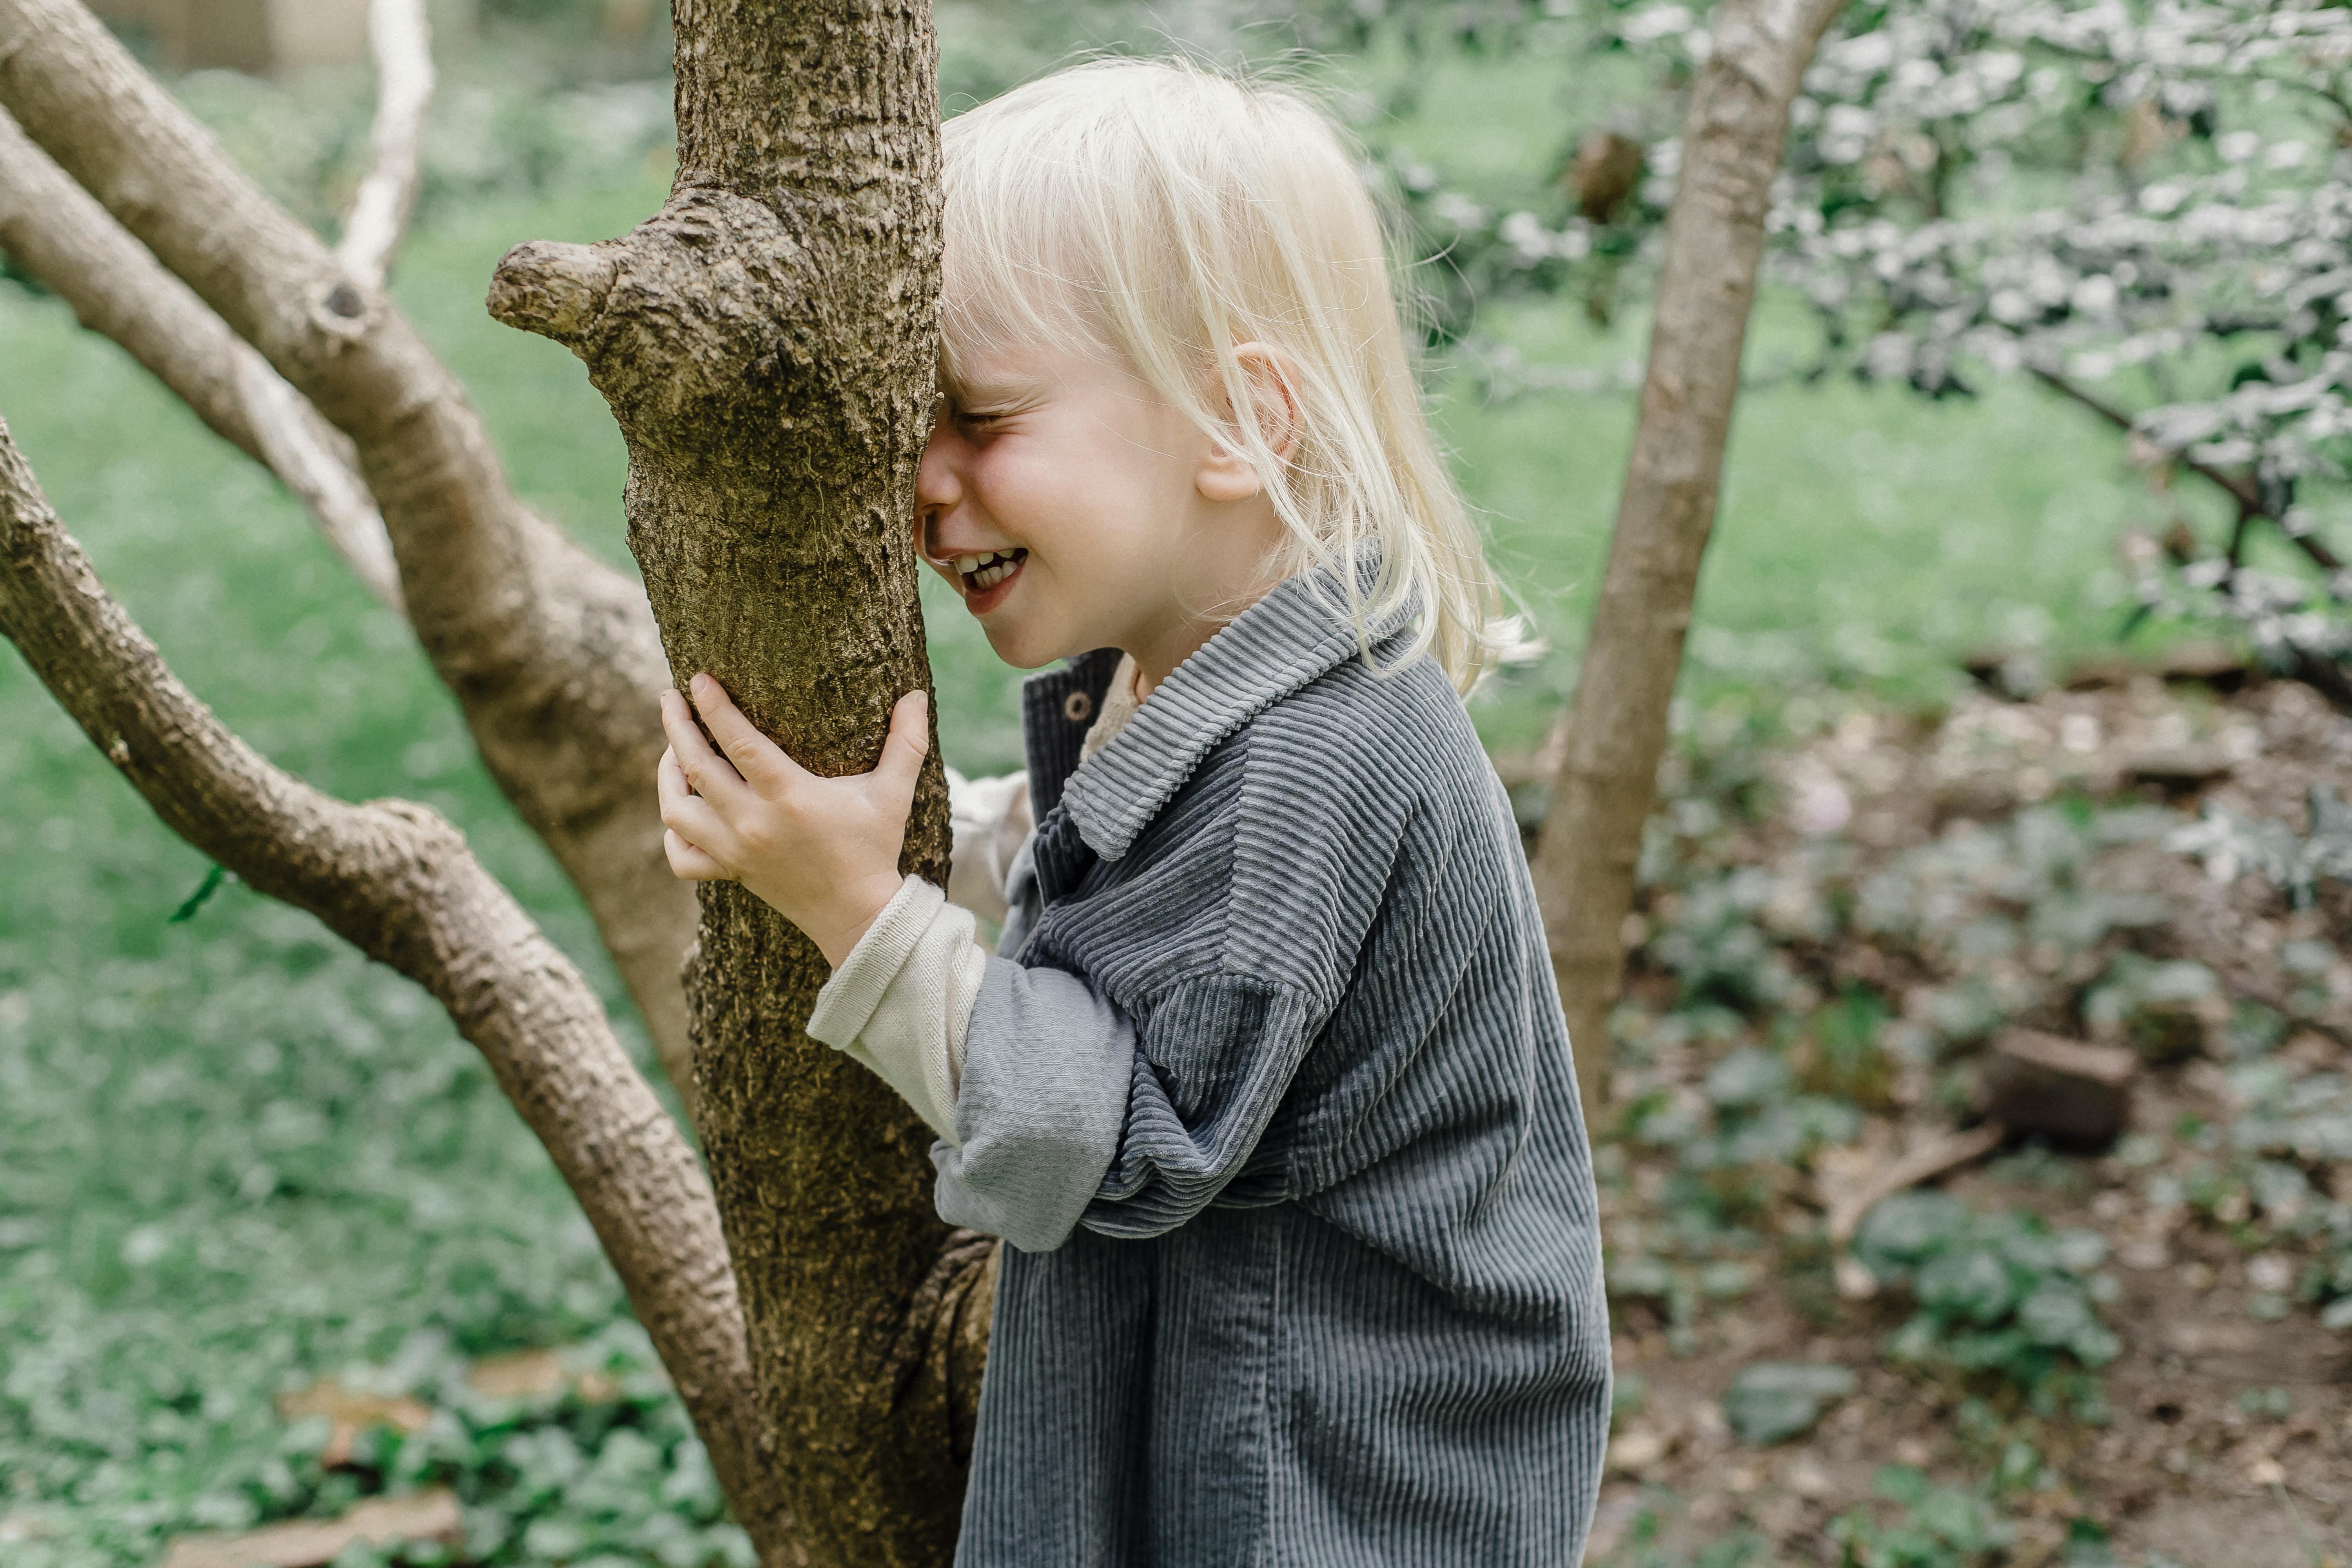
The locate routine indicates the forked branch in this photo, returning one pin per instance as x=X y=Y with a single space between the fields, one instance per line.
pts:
x=398 y=883
x=552 y=654
x=2240 y=488
x=60 y=235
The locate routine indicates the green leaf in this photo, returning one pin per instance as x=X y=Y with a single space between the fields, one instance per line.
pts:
x=195 y=900
x=1746 y=1076
x=1905 y=1229
x=1773 y=1401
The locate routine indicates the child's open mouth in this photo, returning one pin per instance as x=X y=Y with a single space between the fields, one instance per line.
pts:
x=986 y=575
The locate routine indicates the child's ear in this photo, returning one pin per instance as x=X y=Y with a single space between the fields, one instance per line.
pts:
x=1268 y=375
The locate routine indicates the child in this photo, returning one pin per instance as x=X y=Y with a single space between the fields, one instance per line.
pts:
x=1267 y=1085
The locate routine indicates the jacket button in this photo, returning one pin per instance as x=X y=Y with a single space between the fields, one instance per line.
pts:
x=1078 y=706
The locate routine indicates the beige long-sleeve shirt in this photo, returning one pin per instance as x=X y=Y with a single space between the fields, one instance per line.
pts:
x=901 y=1002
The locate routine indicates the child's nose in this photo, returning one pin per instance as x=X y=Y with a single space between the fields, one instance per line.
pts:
x=938 y=484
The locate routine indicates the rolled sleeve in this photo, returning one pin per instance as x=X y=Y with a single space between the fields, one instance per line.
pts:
x=901 y=1001
x=1213 y=1062
x=1046 y=1069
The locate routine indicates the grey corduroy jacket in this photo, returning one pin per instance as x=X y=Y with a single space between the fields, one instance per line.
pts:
x=1270 y=1092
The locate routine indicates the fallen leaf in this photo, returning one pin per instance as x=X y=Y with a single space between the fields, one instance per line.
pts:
x=530 y=1375
x=349 y=1413
x=1638 y=1450
x=309 y=1543
x=1809 y=1481
x=534 y=1374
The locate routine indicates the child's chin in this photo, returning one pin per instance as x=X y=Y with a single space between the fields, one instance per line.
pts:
x=1011 y=647
x=1021 y=646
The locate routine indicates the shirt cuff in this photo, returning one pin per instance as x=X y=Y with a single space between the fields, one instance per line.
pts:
x=846 y=1001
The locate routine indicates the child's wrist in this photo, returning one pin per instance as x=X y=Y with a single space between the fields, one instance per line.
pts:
x=838 y=932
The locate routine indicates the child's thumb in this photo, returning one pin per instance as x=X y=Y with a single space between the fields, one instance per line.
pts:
x=910 y=741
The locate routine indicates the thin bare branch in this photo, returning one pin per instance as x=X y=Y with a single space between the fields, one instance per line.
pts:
x=398 y=883
x=60 y=235
x=315 y=461
x=552 y=654
x=402 y=41
x=2237 y=486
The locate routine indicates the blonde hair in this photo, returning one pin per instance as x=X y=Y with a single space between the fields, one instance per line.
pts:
x=1156 y=211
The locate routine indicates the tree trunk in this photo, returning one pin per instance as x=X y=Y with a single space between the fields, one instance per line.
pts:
x=1607 y=784
x=767 y=344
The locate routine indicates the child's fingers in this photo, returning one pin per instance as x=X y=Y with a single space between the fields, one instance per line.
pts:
x=902 y=753
x=688 y=863
x=761 y=761
x=710 y=774
x=670 y=784
x=690 y=816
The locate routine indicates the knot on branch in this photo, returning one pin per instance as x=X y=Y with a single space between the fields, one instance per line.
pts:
x=708 y=328
x=553 y=289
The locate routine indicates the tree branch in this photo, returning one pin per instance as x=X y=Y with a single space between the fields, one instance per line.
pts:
x=2240 y=489
x=397 y=882
x=60 y=235
x=402 y=43
x=552 y=653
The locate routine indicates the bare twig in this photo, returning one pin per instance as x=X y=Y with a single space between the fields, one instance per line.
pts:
x=398 y=883
x=59 y=234
x=398 y=34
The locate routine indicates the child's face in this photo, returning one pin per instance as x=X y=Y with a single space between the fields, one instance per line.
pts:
x=1073 y=509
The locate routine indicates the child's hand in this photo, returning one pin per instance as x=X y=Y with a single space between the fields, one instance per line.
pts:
x=823 y=851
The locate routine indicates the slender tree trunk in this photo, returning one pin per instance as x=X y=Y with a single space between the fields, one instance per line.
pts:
x=767 y=344
x=1607 y=784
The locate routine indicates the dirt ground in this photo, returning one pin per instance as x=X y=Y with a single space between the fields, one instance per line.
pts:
x=2226 y=1440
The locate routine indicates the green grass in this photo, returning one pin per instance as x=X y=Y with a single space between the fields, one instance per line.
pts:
x=237 y=1156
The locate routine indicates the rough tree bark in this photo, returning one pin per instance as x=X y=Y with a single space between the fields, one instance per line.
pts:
x=1606 y=788
x=767 y=344
x=398 y=883
x=551 y=655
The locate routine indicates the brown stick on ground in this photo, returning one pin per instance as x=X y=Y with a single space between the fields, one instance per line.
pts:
x=397 y=882
x=552 y=653
x=58 y=232
x=1607 y=784
x=1844 y=1203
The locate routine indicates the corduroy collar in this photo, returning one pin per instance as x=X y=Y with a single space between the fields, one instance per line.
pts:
x=1289 y=638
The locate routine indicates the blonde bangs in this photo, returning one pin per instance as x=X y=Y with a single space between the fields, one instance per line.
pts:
x=1157 y=216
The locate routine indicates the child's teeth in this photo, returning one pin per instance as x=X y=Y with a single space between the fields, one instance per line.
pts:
x=967 y=564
